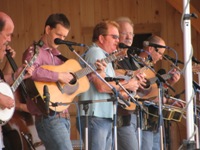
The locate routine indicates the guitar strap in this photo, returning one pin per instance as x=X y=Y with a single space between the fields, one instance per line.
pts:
x=63 y=58
x=1 y=75
x=135 y=62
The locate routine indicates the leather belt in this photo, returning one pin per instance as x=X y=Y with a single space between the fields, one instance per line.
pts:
x=96 y=101
x=55 y=114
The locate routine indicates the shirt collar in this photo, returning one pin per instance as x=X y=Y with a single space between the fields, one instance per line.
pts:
x=54 y=51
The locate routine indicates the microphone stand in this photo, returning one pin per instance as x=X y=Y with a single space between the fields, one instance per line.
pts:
x=114 y=104
x=167 y=59
x=139 y=112
x=85 y=108
x=160 y=98
x=160 y=82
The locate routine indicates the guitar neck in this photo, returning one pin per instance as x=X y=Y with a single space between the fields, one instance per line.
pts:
x=14 y=68
x=18 y=80
x=23 y=72
x=88 y=70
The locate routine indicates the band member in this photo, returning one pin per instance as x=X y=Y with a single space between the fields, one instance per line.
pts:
x=54 y=129
x=6 y=30
x=151 y=139
x=105 y=41
x=127 y=130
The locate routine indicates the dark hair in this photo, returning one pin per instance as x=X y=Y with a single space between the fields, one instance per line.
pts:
x=2 y=24
x=102 y=28
x=58 y=18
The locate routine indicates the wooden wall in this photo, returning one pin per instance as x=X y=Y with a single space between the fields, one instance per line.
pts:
x=149 y=16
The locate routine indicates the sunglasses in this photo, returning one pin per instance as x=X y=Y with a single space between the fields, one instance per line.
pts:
x=112 y=35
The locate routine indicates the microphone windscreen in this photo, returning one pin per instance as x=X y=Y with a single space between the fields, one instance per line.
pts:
x=58 y=41
x=162 y=71
x=122 y=45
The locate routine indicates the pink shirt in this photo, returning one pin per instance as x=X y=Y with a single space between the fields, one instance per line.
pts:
x=46 y=56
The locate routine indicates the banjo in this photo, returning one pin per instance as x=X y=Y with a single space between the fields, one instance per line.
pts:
x=6 y=114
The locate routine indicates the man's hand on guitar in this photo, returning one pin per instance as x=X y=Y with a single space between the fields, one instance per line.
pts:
x=175 y=103
x=6 y=102
x=141 y=79
x=175 y=77
x=11 y=51
x=65 y=77
x=101 y=66
x=29 y=71
x=133 y=85
x=170 y=102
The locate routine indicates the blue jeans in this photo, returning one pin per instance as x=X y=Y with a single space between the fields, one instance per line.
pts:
x=156 y=141
x=150 y=140
x=54 y=133
x=127 y=135
x=99 y=132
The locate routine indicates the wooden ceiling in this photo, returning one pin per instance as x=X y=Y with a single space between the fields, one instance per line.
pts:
x=194 y=8
x=196 y=4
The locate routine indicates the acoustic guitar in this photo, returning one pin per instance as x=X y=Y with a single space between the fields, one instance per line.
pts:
x=62 y=95
x=150 y=91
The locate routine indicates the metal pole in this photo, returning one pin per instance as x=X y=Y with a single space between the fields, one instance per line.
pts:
x=188 y=71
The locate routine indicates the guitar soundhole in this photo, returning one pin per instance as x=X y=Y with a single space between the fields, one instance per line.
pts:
x=74 y=80
x=147 y=84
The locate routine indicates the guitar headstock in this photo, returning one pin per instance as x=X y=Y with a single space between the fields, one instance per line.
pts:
x=119 y=54
x=30 y=63
x=196 y=68
x=144 y=61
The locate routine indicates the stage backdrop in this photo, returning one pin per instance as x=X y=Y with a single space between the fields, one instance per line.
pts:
x=161 y=17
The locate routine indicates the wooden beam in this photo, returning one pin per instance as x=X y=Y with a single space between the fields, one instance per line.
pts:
x=178 y=5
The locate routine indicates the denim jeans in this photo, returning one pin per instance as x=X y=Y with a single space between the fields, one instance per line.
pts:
x=127 y=135
x=99 y=132
x=1 y=138
x=54 y=133
x=156 y=141
x=150 y=140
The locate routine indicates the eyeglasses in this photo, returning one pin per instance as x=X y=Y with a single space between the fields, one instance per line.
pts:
x=112 y=35
x=127 y=33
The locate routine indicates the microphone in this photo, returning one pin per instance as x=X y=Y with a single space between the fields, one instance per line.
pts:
x=195 y=60
x=46 y=97
x=110 y=79
x=68 y=43
x=136 y=50
x=161 y=71
x=147 y=43
x=173 y=60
